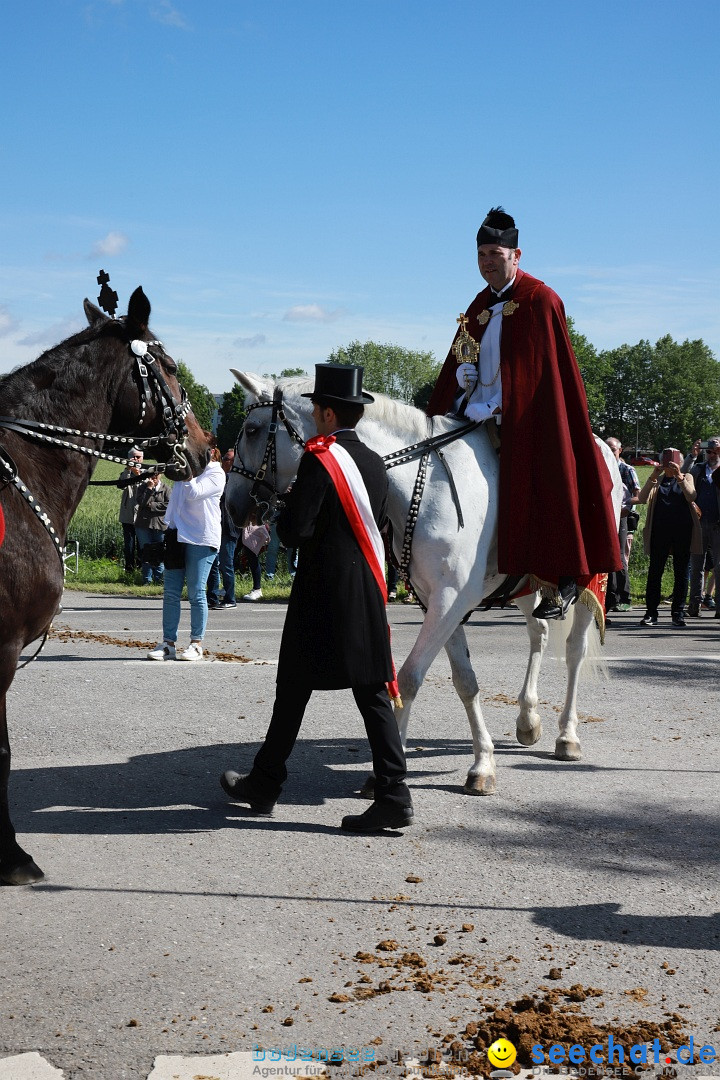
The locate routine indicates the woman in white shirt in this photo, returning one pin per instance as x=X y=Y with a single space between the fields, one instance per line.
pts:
x=194 y=511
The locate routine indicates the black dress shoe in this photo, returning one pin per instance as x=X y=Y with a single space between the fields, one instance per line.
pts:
x=237 y=787
x=550 y=608
x=377 y=817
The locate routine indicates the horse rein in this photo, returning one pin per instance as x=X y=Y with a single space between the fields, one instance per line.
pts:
x=174 y=414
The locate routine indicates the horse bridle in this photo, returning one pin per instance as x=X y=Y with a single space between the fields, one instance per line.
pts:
x=267 y=506
x=150 y=378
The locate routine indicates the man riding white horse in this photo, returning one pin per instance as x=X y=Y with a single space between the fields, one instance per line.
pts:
x=514 y=363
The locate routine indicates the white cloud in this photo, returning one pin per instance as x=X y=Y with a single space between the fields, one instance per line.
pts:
x=312 y=313
x=7 y=323
x=250 y=342
x=112 y=244
x=164 y=12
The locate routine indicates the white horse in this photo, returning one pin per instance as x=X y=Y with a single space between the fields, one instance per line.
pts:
x=452 y=568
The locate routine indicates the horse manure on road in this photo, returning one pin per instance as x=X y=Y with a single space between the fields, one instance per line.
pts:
x=547 y=1016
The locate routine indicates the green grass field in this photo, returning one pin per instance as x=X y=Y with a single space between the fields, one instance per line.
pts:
x=96 y=528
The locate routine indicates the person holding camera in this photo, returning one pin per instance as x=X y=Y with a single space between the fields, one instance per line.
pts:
x=708 y=500
x=672 y=524
x=151 y=501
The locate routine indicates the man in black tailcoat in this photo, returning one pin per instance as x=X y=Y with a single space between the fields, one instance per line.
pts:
x=336 y=632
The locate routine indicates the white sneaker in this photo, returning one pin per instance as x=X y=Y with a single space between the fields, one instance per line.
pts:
x=164 y=650
x=256 y=594
x=193 y=652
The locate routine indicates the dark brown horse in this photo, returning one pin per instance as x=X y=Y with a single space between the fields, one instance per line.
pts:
x=111 y=379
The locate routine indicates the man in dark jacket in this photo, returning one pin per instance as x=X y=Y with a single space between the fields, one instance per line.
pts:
x=336 y=632
x=706 y=475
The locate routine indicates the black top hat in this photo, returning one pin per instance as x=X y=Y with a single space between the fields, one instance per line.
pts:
x=340 y=382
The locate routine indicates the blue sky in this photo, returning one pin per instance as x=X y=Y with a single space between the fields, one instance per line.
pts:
x=283 y=177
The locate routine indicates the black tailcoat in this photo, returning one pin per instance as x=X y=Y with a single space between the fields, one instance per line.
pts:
x=336 y=632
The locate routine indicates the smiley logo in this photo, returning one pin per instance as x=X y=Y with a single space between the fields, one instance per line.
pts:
x=502 y=1053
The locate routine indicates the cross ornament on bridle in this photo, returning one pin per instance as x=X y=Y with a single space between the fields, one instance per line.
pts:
x=108 y=298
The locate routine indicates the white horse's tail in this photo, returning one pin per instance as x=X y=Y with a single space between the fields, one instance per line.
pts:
x=595 y=667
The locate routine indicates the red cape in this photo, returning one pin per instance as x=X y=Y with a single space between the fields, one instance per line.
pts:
x=556 y=517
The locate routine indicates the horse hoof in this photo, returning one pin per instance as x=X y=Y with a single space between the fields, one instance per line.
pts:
x=28 y=873
x=568 y=750
x=528 y=736
x=480 y=785
x=367 y=791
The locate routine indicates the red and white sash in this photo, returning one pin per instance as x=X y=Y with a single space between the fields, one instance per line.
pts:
x=355 y=501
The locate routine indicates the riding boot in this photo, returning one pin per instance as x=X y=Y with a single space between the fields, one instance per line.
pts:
x=557 y=607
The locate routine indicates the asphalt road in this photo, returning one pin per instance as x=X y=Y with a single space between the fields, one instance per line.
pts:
x=171 y=922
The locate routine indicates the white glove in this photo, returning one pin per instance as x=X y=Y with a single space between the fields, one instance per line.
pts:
x=481 y=410
x=469 y=372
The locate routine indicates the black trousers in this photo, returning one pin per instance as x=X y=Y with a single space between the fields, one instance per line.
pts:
x=662 y=542
x=618 y=586
x=269 y=772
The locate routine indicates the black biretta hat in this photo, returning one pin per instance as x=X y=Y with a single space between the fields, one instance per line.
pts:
x=498 y=228
x=340 y=382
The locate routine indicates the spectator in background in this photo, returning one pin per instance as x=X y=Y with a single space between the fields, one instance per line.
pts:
x=272 y=556
x=708 y=499
x=152 y=502
x=224 y=563
x=193 y=515
x=672 y=524
x=695 y=457
x=127 y=481
x=255 y=538
x=618 y=588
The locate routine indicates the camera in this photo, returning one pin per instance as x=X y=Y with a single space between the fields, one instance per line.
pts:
x=671 y=455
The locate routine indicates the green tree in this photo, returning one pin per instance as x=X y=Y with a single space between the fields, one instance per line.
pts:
x=288 y=373
x=202 y=401
x=593 y=370
x=659 y=395
x=390 y=369
x=232 y=417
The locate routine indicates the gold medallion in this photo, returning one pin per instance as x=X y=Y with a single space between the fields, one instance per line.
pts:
x=510 y=307
x=465 y=347
x=484 y=317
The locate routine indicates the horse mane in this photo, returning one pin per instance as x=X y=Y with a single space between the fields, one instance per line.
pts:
x=385 y=411
x=33 y=389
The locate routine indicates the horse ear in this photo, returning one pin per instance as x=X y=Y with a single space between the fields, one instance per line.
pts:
x=139 y=310
x=254 y=384
x=93 y=314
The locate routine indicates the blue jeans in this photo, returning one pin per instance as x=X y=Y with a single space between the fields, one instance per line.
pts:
x=223 y=564
x=271 y=555
x=149 y=536
x=198 y=560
